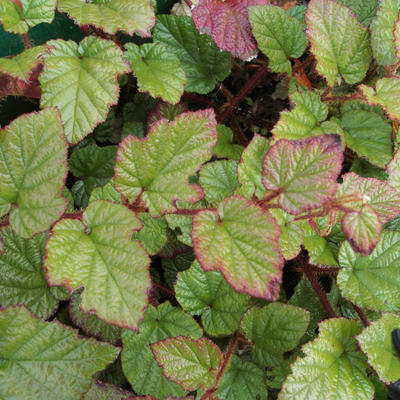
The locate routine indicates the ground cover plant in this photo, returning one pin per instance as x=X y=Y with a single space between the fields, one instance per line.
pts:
x=199 y=204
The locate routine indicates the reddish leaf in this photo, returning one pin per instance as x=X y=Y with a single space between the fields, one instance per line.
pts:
x=228 y=24
x=10 y=86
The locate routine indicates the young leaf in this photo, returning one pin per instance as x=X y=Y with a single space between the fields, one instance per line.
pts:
x=22 y=276
x=191 y=363
x=105 y=391
x=274 y=330
x=75 y=73
x=382 y=27
x=376 y=342
x=385 y=94
x=369 y=135
x=364 y=9
x=19 y=18
x=158 y=324
x=209 y=295
x=158 y=71
x=224 y=147
x=279 y=36
x=228 y=24
x=332 y=367
x=33 y=168
x=218 y=180
x=373 y=281
x=242 y=381
x=112 y=16
x=202 y=61
x=303 y=121
x=98 y=253
x=106 y=192
x=302 y=174
x=46 y=360
x=144 y=168
x=240 y=239
x=21 y=65
x=349 y=54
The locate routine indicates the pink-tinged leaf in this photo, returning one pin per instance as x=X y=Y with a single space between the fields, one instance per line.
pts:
x=155 y=398
x=378 y=194
x=303 y=173
x=228 y=24
x=165 y=110
x=240 y=239
x=10 y=86
x=190 y=363
x=362 y=229
x=393 y=170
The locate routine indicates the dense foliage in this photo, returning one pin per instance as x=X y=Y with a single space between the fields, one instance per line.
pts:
x=203 y=204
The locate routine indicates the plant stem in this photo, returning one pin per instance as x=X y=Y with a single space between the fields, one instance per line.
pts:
x=250 y=85
x=317 y=288
x=164 y=289
x=189 y=3
x=26 y=41
x=361 y=314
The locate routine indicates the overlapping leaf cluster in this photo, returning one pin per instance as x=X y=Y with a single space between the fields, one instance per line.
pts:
x=144 y=248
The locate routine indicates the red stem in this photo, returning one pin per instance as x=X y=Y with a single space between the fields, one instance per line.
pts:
x=164 y=289
x=26 y=41
x=250 y=85
x=361 y=314
x=317 y=288
x=189 y=3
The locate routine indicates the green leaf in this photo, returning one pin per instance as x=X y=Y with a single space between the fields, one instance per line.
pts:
x=393 y=169
x=279 y=36
x=73 y=74
x=376 y=342
x=347 y=56
x=33 y=168
x=209 y=295
x=90 y=324
x=171 y=266
x=153 y=235
x=21 y=65
x=98 y=253
x=189 y=362
x=242 y=380
x=106 y=192
x=218 y=180
x=247 y=237
x=105 y=391
x=303 y=121
x=158 y=71
x=373 y=281
x=274 y=330
x=182 y=225
x=46 y=360
x=202 y=61
x=224 y=147
x=364 y=9
x=369 y=135
x=111 y=16
x=33 y=12
x=385 y=94
x=158 y=324
x=332 y=367
x=250 y=167
x=22 y=276
x=144 y=168
x=302 y=174
x=382 y=28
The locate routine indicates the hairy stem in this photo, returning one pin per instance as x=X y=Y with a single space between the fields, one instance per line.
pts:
x=164 y=289
x=27 y=42
x=361 y=314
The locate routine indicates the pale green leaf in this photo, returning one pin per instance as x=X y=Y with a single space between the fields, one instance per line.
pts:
x=81 y=80
x=33 y=12
x=274 y=330
x=209 y=295
x=202 y=61
x=242 y=380
x=33 y=168
x=22 y=278
x=158 y=70
x=138 y=362
x=98 y=254
x=382 y=28
x=145 y=168
x=364 y=9
x=153 y=235
x=105 y=391
x=111 y=16
x=21 y=65
x=106 y=192
x=182 y=223
x=224 y=147
x=46 y=360
x=393 y=169
x=373 y=281
x=279 y=36
x=189 y=362
x=218 y=180
x=332 y=368
x=340 y=44
x=376 y=342
x=240 y=239
x=303 y=121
